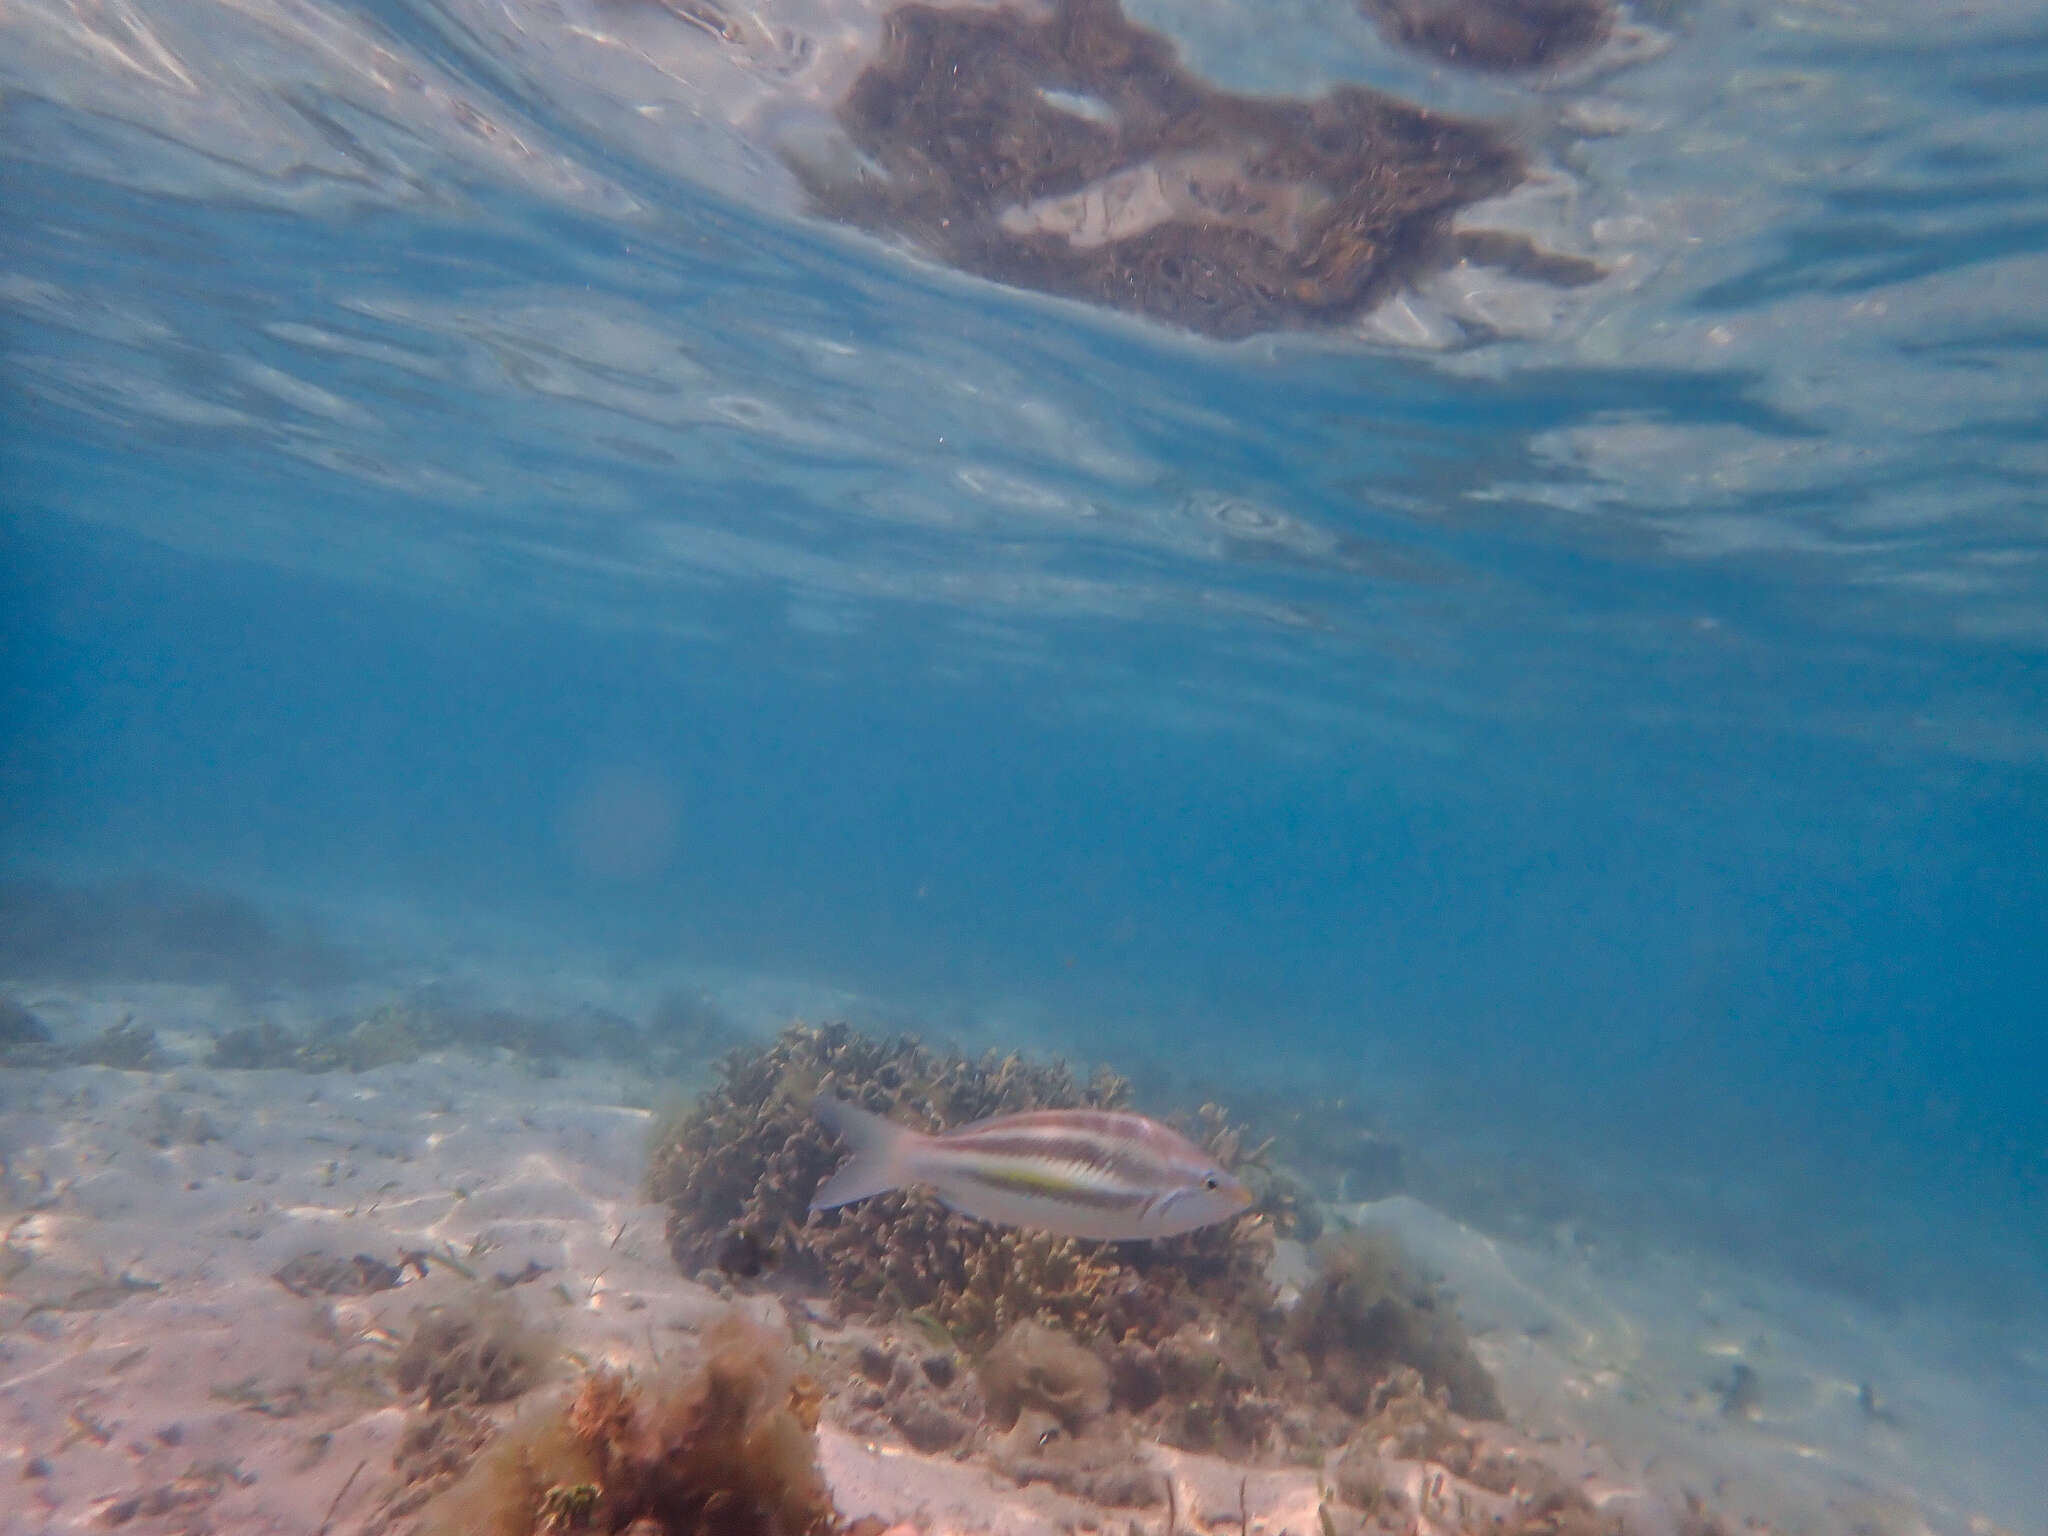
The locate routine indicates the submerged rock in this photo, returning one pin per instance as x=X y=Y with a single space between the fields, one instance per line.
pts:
x=18 y=1026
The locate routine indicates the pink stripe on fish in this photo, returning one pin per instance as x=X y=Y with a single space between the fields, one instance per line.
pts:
x=1083 y=1173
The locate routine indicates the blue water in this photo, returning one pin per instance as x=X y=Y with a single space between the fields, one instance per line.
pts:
x=1804 y=963
x=687 y=581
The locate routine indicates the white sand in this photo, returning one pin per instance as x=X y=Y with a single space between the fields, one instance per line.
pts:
x=146 y=1352
x=1632 y=1352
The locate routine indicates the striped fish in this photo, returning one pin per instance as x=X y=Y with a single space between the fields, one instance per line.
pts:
x=1077 y=1172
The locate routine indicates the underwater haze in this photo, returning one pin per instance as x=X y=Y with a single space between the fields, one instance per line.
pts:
x=604 y=487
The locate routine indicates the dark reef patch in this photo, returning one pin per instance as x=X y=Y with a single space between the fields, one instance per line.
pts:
x=429 y=1019
x=18 y=1026
x=126 y=1046
x=1074 y=155
x=318 y=1273
x=159 y=930
x=1494 y=34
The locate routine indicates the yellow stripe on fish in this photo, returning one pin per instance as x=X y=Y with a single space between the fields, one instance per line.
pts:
x=1104 y=1174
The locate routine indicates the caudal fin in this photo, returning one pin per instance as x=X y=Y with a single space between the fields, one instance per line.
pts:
x=878 y=1147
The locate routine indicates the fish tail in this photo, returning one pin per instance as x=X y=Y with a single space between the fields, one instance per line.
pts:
x=880 y=1158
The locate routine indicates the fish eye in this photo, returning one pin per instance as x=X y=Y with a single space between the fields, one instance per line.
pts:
x=1210 y=1181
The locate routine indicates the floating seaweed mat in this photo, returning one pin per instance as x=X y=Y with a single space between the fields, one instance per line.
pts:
x=1494 y=34
x=1071 y=153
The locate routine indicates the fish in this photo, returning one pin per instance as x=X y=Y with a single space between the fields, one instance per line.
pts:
x=1089 y=1173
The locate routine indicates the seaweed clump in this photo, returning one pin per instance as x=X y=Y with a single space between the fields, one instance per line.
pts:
x=126 y=1046
x=1038 y=1367
x=728 y=1449
x=1367 y=1315
x=256 y=1047
x=469 y=1358
x=1072 y=153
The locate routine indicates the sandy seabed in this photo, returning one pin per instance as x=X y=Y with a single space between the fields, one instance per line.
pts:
x=156 y=1376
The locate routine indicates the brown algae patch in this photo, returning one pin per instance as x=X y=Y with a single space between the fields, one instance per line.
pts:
x=1073 y=154
x=725 y=1449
